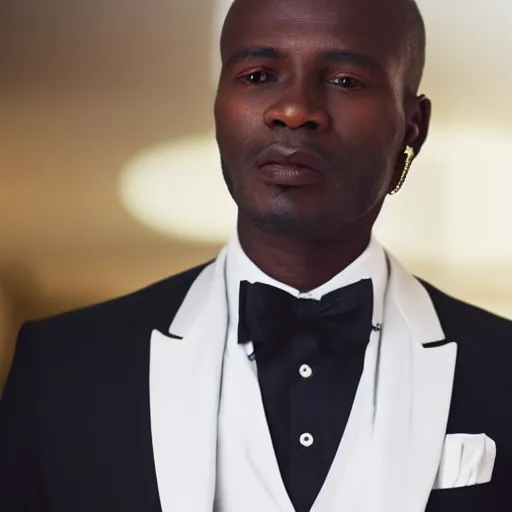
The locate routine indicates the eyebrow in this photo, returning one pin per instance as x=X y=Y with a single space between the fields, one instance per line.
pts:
x=256 y=53
x=271 y=53
x=358 y=59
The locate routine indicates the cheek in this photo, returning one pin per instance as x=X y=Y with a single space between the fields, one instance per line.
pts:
x=369 y=131
x=370 y=122
x=237 y=118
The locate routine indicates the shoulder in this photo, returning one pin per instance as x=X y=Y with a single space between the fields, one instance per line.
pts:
x=484 y=340
x=463 y=319
x=482 y=380
x=153 y=305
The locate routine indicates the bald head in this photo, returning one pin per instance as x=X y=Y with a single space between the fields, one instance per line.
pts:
x=403 y=15
x=414 y=37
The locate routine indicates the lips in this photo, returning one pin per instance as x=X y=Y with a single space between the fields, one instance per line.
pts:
x=290 y=157
x=290 y=167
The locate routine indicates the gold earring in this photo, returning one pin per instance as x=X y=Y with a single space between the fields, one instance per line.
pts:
x=410 y=154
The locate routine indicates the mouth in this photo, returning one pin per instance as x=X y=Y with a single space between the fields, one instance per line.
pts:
x=289 y=167
x=288 y=175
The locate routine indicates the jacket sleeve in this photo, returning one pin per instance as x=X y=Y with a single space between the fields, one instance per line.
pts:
x=20 y=475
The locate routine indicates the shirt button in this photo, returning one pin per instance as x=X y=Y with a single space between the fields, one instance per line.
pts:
x=306 y=440
x=305 y=371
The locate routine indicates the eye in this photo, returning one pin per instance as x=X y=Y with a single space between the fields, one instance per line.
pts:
x=257 y=77
x=347 y=82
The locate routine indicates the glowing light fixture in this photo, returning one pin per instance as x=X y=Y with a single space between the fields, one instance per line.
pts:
x=178 y=189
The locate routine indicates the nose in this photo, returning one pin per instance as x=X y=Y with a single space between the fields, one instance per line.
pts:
x=298 y=107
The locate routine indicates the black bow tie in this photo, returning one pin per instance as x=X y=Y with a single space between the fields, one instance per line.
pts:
x=271 y=317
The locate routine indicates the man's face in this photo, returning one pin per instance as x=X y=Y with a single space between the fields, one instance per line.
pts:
x=311 y=113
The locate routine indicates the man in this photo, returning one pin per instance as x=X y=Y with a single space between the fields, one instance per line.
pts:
x=304 y=369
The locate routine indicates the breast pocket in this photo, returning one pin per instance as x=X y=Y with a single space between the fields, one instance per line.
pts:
x=474 y=498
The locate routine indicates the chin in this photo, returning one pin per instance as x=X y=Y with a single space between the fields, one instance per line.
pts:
x=302 y=213
x=288 y=223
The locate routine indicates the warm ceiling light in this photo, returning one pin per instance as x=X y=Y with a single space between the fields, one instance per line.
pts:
x=178 y=189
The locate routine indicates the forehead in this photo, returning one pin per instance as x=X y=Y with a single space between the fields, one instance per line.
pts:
x=367 y=26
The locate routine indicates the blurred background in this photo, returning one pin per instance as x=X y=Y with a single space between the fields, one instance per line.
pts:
x=110 y=177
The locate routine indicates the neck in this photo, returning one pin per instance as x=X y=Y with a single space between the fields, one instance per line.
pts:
x=303 y=265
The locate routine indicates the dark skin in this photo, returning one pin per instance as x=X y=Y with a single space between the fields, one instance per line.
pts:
x=330 y=77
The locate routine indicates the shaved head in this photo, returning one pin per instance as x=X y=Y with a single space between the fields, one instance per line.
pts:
x=407 y=16
x=415 y=39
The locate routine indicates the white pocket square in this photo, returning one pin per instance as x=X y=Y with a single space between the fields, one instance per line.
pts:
x=466 y=460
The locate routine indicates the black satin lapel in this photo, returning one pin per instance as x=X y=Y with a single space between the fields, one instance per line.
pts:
x=435 y=344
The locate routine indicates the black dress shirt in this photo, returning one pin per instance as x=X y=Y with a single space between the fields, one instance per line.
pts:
x=308 y=395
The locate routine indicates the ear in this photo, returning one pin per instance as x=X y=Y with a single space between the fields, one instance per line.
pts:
x=418 y=123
